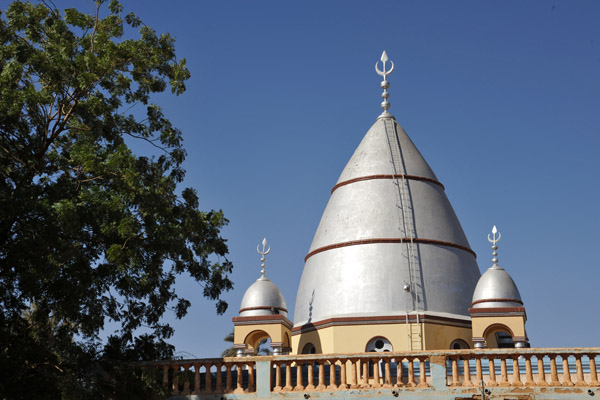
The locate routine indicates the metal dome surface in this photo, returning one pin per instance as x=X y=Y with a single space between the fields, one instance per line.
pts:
x=263 y=297
x=496 y=289
x=359 y=260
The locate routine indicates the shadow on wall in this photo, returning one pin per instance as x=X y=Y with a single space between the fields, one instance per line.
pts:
x=310 y=342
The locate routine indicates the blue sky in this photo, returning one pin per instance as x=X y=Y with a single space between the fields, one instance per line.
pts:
x=501 y=98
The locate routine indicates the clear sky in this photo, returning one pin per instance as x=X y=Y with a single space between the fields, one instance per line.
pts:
x=501 y=98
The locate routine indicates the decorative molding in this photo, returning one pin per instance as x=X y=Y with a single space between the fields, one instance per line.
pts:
x=262 y=320
x=389 y=240
x=380 y=320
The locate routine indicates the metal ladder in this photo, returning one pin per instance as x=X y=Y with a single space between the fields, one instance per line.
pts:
x=414 y=331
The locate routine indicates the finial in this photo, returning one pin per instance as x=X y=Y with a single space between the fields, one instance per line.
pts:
x=493 y=240
x=385 y=104
x=265 y=250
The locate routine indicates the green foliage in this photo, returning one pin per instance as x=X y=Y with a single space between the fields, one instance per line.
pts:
x=89 y=231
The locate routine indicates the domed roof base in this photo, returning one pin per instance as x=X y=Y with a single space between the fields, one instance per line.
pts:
x=347 y=334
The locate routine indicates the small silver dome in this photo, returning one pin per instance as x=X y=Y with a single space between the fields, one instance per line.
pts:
x=263 y=297
x=496 y=289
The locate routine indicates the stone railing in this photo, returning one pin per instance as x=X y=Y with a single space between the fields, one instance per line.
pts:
x=432 y=372
x=523 y=367
x=341 y=372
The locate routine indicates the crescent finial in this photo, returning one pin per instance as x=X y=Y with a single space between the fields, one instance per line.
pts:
x=265 y=250
x=384 y=72
x=494 y=240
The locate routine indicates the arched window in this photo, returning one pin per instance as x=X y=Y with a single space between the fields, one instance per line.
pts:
x=309 y=348
x=459 y=344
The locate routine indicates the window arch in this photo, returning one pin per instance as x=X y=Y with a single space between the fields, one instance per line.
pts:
x=309 y=348
x=459 y=344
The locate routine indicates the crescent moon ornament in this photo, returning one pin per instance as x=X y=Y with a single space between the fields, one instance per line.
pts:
x=264 y=245
x=495 y=239
x=384 y=73
x=265 y=250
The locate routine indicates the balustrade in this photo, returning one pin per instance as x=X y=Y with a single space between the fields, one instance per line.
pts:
x=409 y=371
x=516 y=367
x=206 y=376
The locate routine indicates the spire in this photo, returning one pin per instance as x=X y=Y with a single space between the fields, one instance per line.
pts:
x=265 y=250
x=493 y=241
x=385 y=84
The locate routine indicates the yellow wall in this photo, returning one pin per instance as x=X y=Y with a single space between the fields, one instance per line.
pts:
x=354 y=338
x=514 y=323
x=439 y=337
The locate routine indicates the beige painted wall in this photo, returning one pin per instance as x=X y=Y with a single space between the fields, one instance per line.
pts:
x=354 y=338
x=514 y=323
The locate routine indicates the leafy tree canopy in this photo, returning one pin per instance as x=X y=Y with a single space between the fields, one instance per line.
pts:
x=89 y=231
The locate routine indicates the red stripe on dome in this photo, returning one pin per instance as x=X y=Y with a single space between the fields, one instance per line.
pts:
x=497 y=301
x=389 y=240
x=395 y=176
x=263 y=308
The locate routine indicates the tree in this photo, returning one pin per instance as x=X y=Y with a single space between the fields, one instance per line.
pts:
x=89 y=231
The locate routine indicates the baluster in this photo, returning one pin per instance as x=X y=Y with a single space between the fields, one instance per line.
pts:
x=580 y=378
x=299 y=386
x=516 y=372
x=566 y=373
x=240 y=379
x=219 y=384
x=175 y=388
x=492 y=381
x=593 y=373
x=321 y=385
x=196 y=379
x=288 y=377
x=376 y=383
x=387 y=380
x=528 y=372
x=311 y=377
x=503 y=373
x=207 y=379
x=353 y=366
x=455 y=380
x=165 y=381
x=422 y=377
x=228 y=385
x=467 y=373
x=553 y=372
x=332 y=384
x=478 y=371
x=399 y=382
x=277 y=387
x=365 y=374
x=186 y=381
x=541 y=372
x=251 y=385
x=343 y=377
x=411 y=373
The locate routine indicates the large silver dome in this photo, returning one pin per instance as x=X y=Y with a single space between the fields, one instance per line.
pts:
x=361 y=261
x=496 y=289
x=263 y=297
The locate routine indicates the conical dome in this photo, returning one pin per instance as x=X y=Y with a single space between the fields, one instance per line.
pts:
x=263 y=297
x=496 y=289
x=389 y=241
